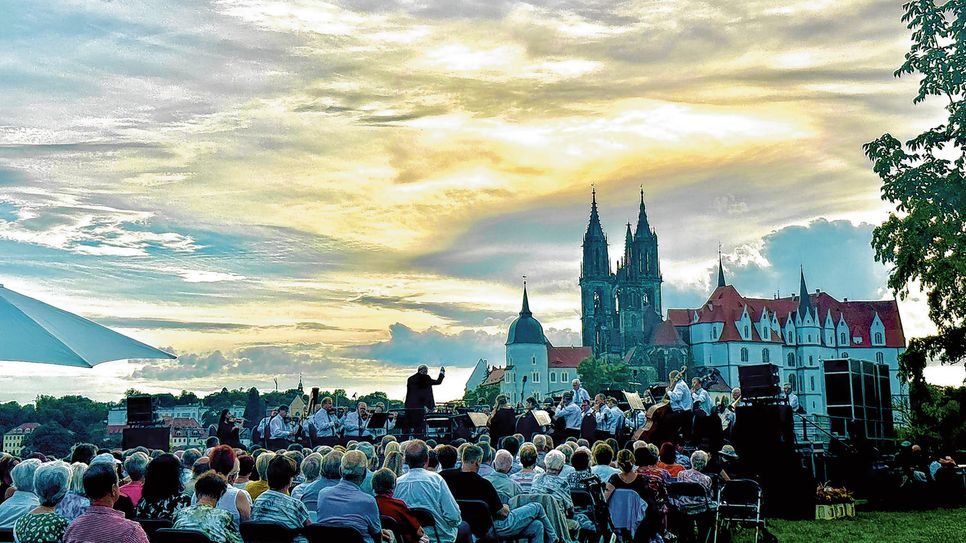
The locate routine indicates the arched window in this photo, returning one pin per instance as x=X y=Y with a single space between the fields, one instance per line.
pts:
x=843 y=338
x=880 y=358
x=765 y=356
x=845 y=354
x=744 y=354
x=791 y=360
x=747 y=331
x=553 y=377
x=878 y=338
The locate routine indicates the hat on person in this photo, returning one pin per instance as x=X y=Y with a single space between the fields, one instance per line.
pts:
x=728 y=451
x=105 y=458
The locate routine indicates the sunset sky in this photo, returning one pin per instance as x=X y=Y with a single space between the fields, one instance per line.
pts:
x=346 y=190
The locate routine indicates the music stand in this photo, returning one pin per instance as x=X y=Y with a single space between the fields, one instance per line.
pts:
x=378 y=421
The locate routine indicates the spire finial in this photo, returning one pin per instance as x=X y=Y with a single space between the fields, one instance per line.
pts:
x=721 y=277
x=593 y=193
x=642 y=194
x=525 y=310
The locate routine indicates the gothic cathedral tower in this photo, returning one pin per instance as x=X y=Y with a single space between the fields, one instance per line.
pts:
x=597 y=311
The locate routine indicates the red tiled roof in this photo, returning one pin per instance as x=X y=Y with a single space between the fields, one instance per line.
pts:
x=180 y=422
x=680 y=317
x=567 y=357
x=494 y=377
x=666 y=335
x=115 y=428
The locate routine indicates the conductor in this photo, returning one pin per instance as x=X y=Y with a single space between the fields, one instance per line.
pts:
x=419 y=395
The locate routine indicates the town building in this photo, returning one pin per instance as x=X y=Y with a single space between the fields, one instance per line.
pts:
x=14 y=439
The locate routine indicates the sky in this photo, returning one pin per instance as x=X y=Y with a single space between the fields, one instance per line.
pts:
x=344 y=190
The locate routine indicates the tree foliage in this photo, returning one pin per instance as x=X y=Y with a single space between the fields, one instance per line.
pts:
x=597 y=374
x=482 y=395
x=51 y=439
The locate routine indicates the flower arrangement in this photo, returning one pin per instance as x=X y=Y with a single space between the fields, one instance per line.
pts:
x=826 y=494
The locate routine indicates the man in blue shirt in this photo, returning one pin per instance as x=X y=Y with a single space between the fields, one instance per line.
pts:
x=570 y=412
x=680 y=397
x=420 y=487
x=346 y=505
x=580 y=394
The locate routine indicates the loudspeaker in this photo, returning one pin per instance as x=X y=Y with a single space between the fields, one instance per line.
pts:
x=759 y=381
x=140 y=410
x=152 y=438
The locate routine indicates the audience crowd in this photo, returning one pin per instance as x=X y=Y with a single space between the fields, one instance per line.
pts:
x=411 y=492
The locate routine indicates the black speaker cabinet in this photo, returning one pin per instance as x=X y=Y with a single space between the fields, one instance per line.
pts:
x=156 y=437
x=140 y=410
x=759 y=381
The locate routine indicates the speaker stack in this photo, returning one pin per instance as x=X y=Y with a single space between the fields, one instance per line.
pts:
x=143 y=427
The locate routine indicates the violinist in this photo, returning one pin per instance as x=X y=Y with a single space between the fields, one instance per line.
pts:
x=570 y=413
x=325 y=420
x=503 y=421
x=390 y=421
x=228 y=429
x=606 y=420
x=680 y=399
x=278 y=429
x=357 y=422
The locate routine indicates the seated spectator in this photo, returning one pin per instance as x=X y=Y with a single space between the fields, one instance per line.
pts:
x=275 y=504
x=394 y=463
x=204 y=516
x=512 y=446
x=255 y=488
x=528 y=467
x=486 y=462
x=223 y=461
x=603 y=456
x=135 y=466
x=370 y=452
x=529 y=521
x=422 y=488
x=447 y=457
x=550 y=482
x=23 y=500
x=298 y=457
x=568 y=452
x=331 y=475
x=384 y=484
x=102 y=523
x=246 y=465
x=83 y=453
x=346 y=505
x=200 y=467
x=7 y=463
x=646 y=461
x=687 y=504
x=667 y=459
x=540 y=443
x=188 y=459
x=581 y=478
x=75 y=503
x=311 y=469
x=505 y=487
x=43 y=524
x=163 y=493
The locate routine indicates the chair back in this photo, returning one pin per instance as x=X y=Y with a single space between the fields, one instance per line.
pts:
x=581 y=498
x=477 y=514
x=423 y=516
x=254 y=531
x=6 y=535
x=556 y=514
x=172 y=535
x=389 y=523
x=151 y=525
x=740 y=492
x=320 y=533
x=626 y=509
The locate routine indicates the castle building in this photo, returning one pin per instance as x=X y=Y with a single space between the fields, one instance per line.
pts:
x=797 y=333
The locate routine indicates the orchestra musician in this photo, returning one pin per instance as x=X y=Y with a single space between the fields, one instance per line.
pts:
x=680 y=399
x=730 y=410
x=390 y=423
x=278 y=429
x=262 y=429
x=580 y=393
x=502 y=421
x=791 y=398
x=356 y=423
x=569 y=412
x=228 y=429
x=326 y=421
x=606 y=419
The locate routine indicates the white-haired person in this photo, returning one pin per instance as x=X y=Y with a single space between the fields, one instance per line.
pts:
x=688 y=504
x=580 y=393
x=43 y=524
x=346 y=505
x=550 y=482
x=135 y=466
x=23 y=499
x=75 y=503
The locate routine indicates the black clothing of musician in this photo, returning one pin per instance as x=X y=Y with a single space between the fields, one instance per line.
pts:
x=503 y=423
x=227 y=432
x=419 y=389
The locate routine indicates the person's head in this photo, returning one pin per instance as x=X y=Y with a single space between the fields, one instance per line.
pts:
x=612 y=443
x=354 y=467
x=568 y=396
x=283 y=410
x=83 y=452
x=23 y=475
x=312 y=467
x=210 y=486
x=625 y=460
x=501 y=401
x=423 y=369
x=51 y=482
x=391 y=447
x=511 y=444
x=566 y=450
x=77 y=471
x=211 y=442
x=246 y=465
x=100 y=483
x=787 y=388
x=362 y=408
x=135 y=465
x=735 y=393
x=528 y=455
x=668 y=454
x=7 y=463
x=503 y=461
x=446 y=456
x=471 y=458
x=699 y=459
x=281 y=471
x=580 y=459
x=603 y=454
x=332 y=465
x=162 y=478
x=394 y=462
x=554 y=461
x=296 y=456
x=224 y=416
x=416 y=453
x=189 y=458
x=695 y=382
x=261 y=464
x=327 y=403
x=531 y=403
x=540 y=442
x=643 y=456
x=575 y=383
x=383 y=482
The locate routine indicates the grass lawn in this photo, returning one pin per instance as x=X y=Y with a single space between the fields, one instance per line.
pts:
x=934 y=526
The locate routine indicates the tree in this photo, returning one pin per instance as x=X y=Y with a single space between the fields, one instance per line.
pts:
x=926 y=180
x=482 y=395
x=51 y=439
x=597 y=374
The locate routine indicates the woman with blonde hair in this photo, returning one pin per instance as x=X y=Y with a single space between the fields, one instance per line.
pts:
x=75 y=503
x=255 y=488
x=394 y=462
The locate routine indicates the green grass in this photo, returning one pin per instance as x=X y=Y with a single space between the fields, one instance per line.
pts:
x=934 y=526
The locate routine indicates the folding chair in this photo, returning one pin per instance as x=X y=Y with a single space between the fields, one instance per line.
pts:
x=150 y=526
x=739 y=503
x=627 y=510
x=691 y=504
x=584 y=501
x=426 y=520
x=6 y=535
x=389 y=523
x=320 y=533
x=477 y=514
x=172 y=535
x=253 y=531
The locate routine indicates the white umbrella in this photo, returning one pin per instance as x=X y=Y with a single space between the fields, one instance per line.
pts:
x=32 y=331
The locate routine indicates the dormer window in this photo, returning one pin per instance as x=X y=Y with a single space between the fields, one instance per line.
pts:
x=747 y=332
x=843 y=338
x=878 y=338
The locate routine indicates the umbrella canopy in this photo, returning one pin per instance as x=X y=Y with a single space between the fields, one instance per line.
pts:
x=32 y=331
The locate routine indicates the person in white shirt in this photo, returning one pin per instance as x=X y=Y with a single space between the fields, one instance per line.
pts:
x=791 y=397
x=278 y=430
x=420 y=487
x=356 y=423
x=580 y=393
x=700 y=397
x=326 y=421
x=680 y=397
